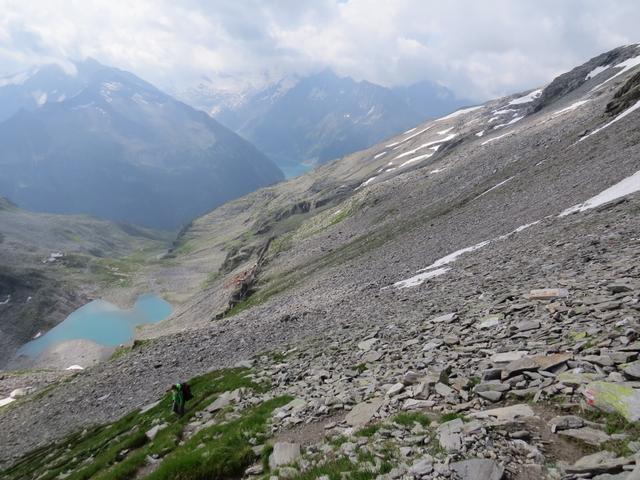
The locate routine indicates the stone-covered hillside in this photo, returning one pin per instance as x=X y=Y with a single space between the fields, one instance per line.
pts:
x=460 y=302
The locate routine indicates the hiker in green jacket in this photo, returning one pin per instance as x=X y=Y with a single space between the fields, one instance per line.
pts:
x=178 y=399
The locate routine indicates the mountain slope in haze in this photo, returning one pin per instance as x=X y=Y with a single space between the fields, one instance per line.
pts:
x=31 y=89
x=123 y=150
x=307 y=121
x=52 y=264
x=395 y=289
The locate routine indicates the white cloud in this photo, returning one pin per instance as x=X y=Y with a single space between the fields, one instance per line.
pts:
x=479 y=49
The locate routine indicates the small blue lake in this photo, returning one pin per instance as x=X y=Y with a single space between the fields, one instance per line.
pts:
x=103 y=323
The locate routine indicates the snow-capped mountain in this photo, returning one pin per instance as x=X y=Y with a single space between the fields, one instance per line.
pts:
x=114 y=146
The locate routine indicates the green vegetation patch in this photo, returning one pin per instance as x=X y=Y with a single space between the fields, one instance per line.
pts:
x=220 y=451
x=407 y=419
x=118 y=450
x=123 y=350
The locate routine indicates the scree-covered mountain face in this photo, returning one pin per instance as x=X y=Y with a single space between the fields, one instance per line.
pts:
x=123 y=150
x=460 y=301
x=301 y=123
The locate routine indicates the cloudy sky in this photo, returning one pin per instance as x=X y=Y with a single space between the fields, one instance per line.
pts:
x=480 y=49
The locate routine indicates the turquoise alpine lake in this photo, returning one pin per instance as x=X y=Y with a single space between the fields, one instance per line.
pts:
x=103 y=323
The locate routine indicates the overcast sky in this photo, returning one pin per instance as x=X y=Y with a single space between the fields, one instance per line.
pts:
x=478 y=48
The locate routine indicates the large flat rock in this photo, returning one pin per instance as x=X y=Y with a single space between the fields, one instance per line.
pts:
x=284 y=453
x=362 y=413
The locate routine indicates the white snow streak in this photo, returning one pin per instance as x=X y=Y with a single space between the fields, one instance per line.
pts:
x=366 y=182
x=392 y=144
x=415 y=134
x=369 y=181
x=420 y=278
x=6 y=300
x=438 y=267
x=380 y=155
x=494 y=187
x=416 y=159
x=479 y=134
x=444 y=132
x=624 y=187
x=452 y=257
x=6 y=401
x=459 y=112
x=497 y=138
x=629 y=110
x=504 y=111
x=517 y=230
x=570 y=108
x=530 y=97
x=514 y=120
x=626 y=66
x=425 y=145
x=597 y=71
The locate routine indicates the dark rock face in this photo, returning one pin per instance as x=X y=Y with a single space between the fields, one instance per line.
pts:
x=625 y=97
x=573 y=79
x=122 y=150
x=35 y=302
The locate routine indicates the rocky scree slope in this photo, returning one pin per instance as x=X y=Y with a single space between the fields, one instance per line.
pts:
x=53 y=264
x=401 y=277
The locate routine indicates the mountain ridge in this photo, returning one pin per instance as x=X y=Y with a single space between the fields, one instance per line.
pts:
x=123 y=150
x=438 y=304
x=302 y=122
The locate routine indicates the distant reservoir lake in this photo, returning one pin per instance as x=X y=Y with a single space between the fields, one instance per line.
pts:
x=103 y=323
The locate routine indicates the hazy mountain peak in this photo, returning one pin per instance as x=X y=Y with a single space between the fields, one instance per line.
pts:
x=114 y=146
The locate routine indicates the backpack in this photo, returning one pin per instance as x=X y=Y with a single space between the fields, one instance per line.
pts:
x=186 y=392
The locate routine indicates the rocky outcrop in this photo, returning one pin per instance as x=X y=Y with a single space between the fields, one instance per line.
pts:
x=570 y=81
x=625 y=97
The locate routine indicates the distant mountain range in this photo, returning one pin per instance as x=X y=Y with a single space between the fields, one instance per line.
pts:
x=303 y=122
x=101 y=141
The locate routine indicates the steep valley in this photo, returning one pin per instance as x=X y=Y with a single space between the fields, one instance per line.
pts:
x=460 y=301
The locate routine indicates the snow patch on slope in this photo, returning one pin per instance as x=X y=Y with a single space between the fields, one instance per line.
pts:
x=438 y=267
x=513 y=120
x=621 y=189
x=460 y=112
x=497 y=138
x=528 y=98
x=620 y=116
x=425 y=145
x=494 y=187
x=627 y=65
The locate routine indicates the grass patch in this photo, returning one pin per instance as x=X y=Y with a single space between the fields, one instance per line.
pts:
x=264 y=456
x=123 y=350
x=226 y=452
x=407 y=419
x=96 y=452
x=338 y=441
x=370 y=430
x=447 y=417
x=361 y=367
